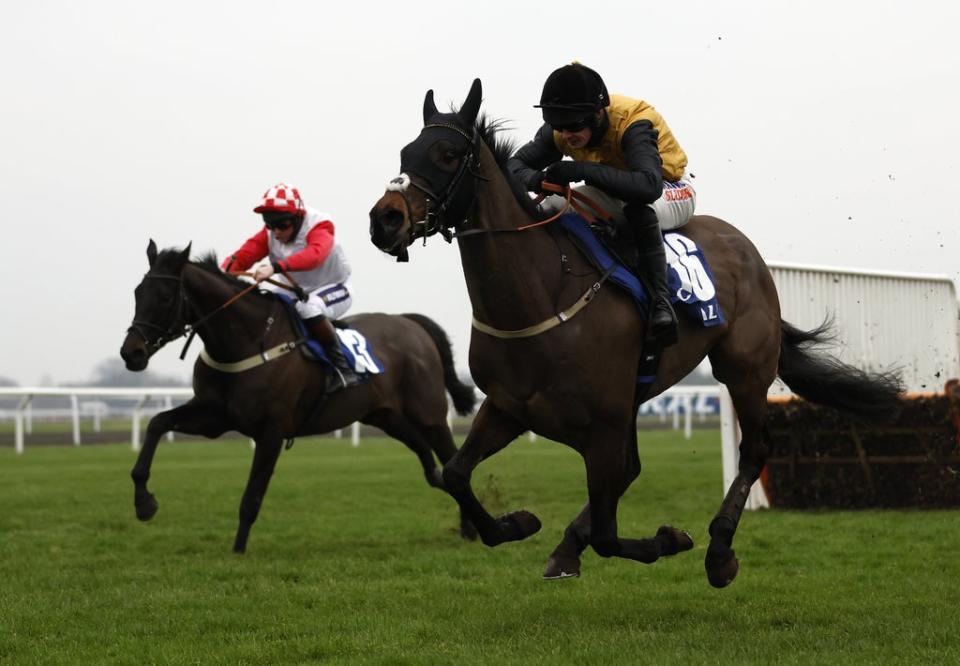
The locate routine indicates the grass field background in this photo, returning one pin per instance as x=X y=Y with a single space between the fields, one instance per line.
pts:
x=355 y=559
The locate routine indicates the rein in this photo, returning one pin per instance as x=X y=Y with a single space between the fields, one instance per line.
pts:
x=579 y=202
x=172 y=332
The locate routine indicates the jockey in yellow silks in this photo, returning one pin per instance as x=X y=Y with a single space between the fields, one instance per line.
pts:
x=623 y=147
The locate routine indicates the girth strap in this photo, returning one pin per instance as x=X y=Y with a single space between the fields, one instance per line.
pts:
x=253 y=361
x=553 y=321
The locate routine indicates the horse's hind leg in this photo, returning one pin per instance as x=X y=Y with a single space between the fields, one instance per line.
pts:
x=424 y=442
x=721 y=562
x=264 y=461
x=492 y=430
x=192 y=418
x=402 y=429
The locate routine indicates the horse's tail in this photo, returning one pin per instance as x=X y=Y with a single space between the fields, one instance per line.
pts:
x=463 y=396
x=821 y=378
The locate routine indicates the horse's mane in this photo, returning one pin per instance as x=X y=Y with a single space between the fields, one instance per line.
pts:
x=503 y=148
x=208 y=263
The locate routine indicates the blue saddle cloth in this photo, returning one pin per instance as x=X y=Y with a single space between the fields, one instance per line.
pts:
x=353 y=344
x=689 y=277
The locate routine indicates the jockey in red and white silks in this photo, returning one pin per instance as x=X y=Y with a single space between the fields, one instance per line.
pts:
x=307 y=250
x=300 y=241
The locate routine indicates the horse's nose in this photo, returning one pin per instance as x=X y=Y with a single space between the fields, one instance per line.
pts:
x=391 y=219
x=134 y=356
x=385 y=224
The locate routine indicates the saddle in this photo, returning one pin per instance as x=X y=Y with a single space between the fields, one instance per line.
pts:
x=608 y=223
x=352 y=343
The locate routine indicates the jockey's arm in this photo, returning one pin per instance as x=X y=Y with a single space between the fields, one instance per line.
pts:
x=528 y=162
x=319 y=245
x=252 y=251
x=642 y=181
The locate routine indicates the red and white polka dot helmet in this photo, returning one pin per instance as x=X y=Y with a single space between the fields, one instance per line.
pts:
x=282 y=197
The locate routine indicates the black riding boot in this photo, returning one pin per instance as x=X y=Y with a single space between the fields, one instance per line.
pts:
x=343 y=375
x=653 y=264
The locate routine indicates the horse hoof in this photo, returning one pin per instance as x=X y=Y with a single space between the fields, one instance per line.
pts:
x=678 y=540
x=519 y=525
x=559 y=568
x=721 y=568
x=146 y=507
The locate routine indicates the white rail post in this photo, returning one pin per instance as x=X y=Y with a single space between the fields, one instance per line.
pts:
x=687 y=417
x=355 y=434
x=21 y=408
x=338 y=433
x=75 y=416
x=729 y=439
x=168 y=405
x=135 y=430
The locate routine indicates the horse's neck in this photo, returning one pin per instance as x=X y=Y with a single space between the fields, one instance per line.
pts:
x=235 y=331
x=511 y=277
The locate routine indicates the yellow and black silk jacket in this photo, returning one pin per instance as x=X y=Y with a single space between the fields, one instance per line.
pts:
x=629 y=155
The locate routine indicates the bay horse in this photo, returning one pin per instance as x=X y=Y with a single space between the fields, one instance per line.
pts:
x=573 y=379
x=284 y=398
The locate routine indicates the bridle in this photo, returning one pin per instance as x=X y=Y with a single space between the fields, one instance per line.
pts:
x=438 y=205
x=177 y=330
x=171 y=332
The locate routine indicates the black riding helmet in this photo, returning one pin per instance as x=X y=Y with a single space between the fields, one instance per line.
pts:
x=571 y=94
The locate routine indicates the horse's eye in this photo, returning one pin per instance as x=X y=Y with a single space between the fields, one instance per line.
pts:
x=450 y=156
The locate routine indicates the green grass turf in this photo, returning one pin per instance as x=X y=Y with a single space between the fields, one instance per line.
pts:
x=355 y=559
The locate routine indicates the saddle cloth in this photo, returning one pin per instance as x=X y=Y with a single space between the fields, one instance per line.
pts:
x=689 y=278
x=354 y=345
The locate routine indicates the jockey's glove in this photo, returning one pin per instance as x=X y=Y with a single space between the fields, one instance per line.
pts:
x=564 y=172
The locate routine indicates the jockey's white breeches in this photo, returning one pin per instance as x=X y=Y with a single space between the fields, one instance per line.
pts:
x=330 y=300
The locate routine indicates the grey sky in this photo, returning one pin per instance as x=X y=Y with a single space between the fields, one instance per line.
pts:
x=826 y=131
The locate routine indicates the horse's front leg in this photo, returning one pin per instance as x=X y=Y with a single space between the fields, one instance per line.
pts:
x=564 y=561
x=192 y=418
x=265 y=456
x=611 y=468
x=492 y=430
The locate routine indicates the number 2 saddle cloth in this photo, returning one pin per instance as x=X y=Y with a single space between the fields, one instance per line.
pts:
x=354 y=345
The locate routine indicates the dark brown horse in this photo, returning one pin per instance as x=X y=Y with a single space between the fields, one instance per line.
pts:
x=576 y=382
x=284 y=398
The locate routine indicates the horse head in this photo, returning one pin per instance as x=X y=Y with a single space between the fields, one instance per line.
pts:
x=436 y=186
x=158 y=314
